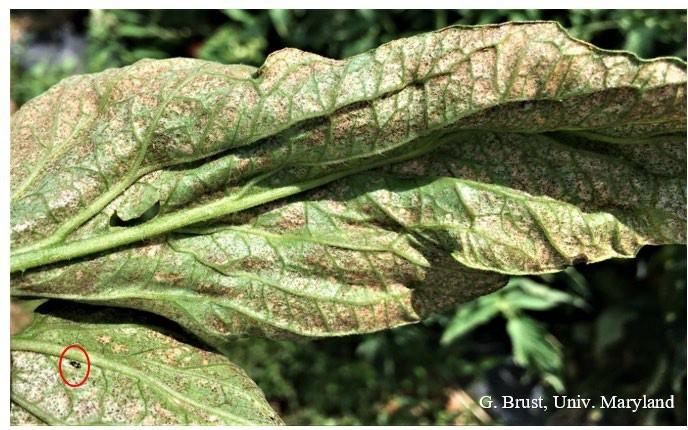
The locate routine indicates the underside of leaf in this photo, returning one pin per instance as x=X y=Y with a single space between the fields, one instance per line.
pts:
x=319 y=197
x=325 y=197
x=139 y=375
x=301 y=109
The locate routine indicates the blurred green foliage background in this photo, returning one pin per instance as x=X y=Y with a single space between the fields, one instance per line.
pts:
x=616 y=328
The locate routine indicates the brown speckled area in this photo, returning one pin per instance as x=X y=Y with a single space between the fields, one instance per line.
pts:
x=138 y=376
x=472 y=154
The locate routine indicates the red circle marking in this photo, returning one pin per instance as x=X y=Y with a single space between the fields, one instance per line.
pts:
x=88 y=366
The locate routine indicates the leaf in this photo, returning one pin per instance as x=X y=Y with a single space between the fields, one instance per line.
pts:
x=536 y=349
x=321 y=197
x=281 y=20
x=313 y=268
x=103 y=132
x=518 y=295
x=234 y=44
x=610 y=328
x=471 y=315
x=140 y=374
x=526 y=294
x=381 y=249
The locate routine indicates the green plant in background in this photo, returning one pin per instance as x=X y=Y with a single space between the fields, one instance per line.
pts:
x=532 y=348
x=39 y=77
x=120 y=37
x=243 y=41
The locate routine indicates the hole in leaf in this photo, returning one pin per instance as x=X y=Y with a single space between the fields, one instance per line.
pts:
x=150 y=213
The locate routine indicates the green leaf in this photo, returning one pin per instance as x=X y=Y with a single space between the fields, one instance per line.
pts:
x=140 y=374
x=381 y=249
x=281 y=20
x=471 y=315
x=325 y=197
x=526 y=294
x=519 y=294
x=100 y=133
x=534 y=348
x=231 y=44
x=610 y=328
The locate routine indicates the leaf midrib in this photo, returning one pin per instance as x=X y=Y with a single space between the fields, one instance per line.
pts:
x=166 y=223
x=78 y=219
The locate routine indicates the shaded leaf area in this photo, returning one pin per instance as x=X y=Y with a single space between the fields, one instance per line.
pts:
x=105 y=131
x=141 y=374
x=393 y=245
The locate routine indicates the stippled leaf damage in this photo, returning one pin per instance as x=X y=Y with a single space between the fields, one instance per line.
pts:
x=140 y=374
x=321 y=197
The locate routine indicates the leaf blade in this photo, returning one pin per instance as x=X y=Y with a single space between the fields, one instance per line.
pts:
x=137 y=375
x=393 y=244
x=428 y=175
x=179 y=123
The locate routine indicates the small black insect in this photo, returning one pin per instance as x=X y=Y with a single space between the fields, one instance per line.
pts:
x=75 y=364
x=580 y=259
